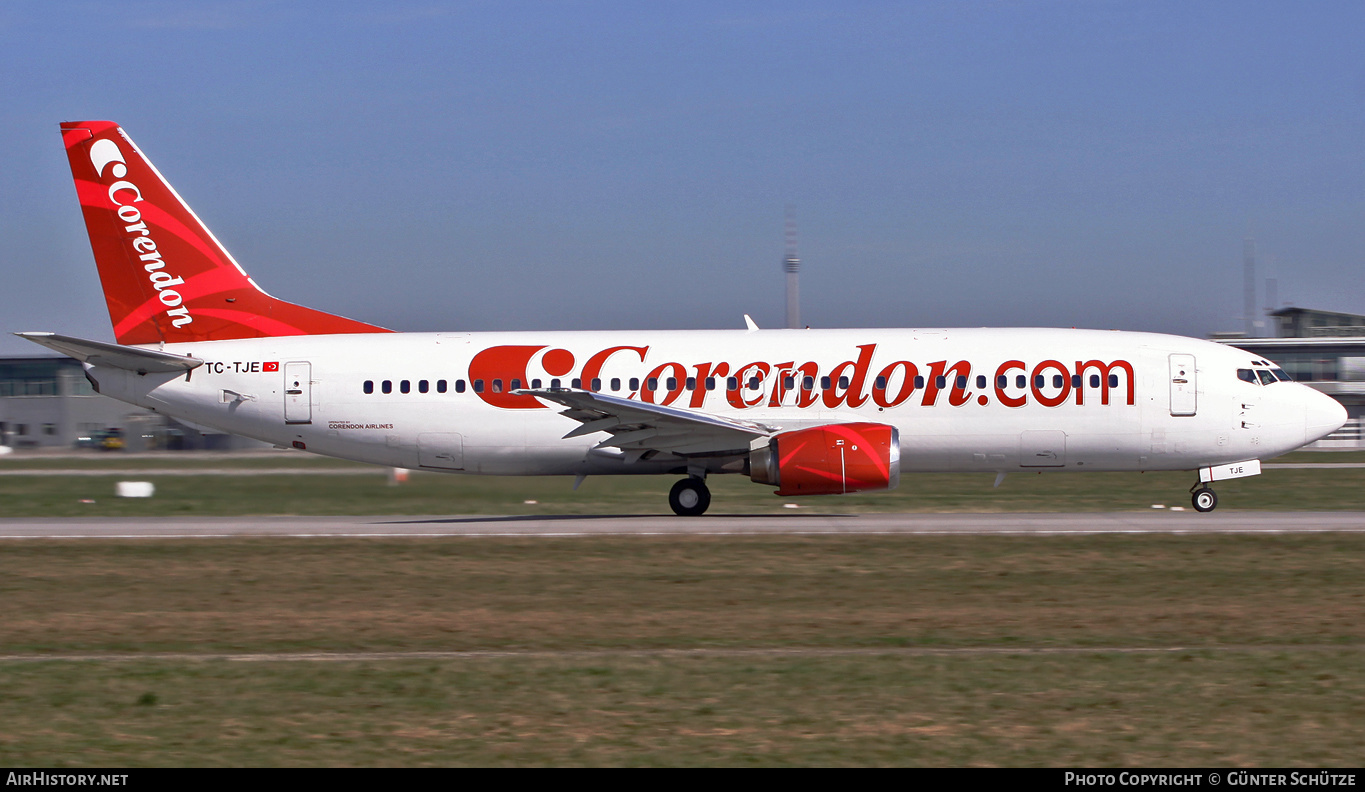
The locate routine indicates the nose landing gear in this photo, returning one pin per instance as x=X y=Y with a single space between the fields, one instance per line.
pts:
x=1203 y=498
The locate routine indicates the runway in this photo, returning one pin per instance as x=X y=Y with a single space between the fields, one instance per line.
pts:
x=1163 y=521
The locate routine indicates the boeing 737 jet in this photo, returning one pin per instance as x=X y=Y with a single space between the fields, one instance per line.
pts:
x=807 y=412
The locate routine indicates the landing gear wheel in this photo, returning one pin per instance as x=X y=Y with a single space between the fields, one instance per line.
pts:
x=1205 y=500
x=689 y=497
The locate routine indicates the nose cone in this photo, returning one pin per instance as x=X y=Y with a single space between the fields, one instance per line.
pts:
x=1322 y=415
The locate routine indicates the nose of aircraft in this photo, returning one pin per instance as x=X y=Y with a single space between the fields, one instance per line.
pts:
x=1322 y=415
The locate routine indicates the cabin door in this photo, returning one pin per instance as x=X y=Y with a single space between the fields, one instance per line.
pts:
x=298 y=393
x=1183 y=401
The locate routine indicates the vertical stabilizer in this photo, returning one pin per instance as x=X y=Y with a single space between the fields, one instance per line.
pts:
x=165 y=277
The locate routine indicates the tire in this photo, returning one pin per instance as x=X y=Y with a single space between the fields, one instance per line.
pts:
x=689 y=498
x=1204 y=500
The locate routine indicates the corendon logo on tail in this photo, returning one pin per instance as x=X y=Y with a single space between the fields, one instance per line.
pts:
x=498 y=371
x=105 y=154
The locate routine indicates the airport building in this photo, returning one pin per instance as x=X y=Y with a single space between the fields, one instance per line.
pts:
x=1324 y=350
x=46 y=402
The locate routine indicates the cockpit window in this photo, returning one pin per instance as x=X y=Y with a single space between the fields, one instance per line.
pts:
x=1246 y=375
x=1281 y=375
x=1266 y=377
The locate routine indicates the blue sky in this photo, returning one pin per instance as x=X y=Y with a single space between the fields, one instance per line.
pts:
x=592 y=165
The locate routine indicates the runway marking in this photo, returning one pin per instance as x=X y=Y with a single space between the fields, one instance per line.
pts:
x=551 y=654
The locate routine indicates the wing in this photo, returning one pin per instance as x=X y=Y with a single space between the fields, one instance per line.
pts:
x=641 y=429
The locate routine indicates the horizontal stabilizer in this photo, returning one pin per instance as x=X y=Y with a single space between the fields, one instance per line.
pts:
x=98 y=353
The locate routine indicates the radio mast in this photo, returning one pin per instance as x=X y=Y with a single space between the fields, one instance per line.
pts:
x=791 y=264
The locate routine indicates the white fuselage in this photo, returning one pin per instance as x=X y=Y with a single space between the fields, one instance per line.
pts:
x=989 y=399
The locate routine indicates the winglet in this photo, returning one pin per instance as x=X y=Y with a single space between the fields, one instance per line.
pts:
x=750 y=322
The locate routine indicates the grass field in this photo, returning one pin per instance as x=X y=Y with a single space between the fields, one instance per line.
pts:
x=765 y=650
x=1100 y=650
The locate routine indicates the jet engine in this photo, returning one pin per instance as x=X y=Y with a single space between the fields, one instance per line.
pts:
x=830 y=459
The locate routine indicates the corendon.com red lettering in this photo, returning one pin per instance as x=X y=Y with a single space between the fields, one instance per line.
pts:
x=1050 y=383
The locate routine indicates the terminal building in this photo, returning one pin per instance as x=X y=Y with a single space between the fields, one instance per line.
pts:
x=46 y=402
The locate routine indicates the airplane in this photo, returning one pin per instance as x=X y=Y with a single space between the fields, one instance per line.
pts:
x=809 y=412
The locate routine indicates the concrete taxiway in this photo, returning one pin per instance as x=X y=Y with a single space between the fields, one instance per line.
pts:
x=1163 y=521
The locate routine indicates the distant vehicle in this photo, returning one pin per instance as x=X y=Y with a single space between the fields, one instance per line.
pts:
x=806 y=411
x=102 y=440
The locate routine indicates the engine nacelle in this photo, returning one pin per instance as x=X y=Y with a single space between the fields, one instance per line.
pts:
x=831 y=459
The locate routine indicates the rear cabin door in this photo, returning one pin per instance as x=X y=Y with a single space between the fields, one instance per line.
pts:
x=298 y=393
x=1183 y=384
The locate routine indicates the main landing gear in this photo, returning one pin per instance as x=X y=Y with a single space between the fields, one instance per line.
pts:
x=1203 y=498
x=689 y=497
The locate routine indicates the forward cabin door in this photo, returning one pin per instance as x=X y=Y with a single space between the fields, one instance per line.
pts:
x=298 y=393
x=1183 y=384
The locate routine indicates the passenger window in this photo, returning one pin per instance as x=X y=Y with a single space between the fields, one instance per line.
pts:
x=369 y=386
x=652 y=383
x=919 y=381
x=808 y=383
x=824 y=383
x=1058 y=380
x=478 y=386
x=961 y=382
x=672 y=383
x=615 y=384
x=692 y=383
x=1002 y=382
x=459 y=386
x=788 y=383
x=1021 y=381
x=1039 y=380
x=634 y=383
x=755 y=383
x=980 y=382
x=497 y=385
x=1094 y=380
x=423 y=386
x=535 y=384
x=576 y=383
x=1266 y=377
x=516 y=384
x=1113 y=380
x=554 y=383
x=940 y=382
x=386 y=386
x=1075 y=380
x=843 y=383
x=710 y=383
x=596 y=384
x=880 y=384
x=732 y=383
x=440 y=386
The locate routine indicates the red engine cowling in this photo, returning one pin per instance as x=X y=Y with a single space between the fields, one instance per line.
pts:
x=832 y=459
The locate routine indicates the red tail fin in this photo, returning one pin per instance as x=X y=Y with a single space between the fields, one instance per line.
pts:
x=165 y=276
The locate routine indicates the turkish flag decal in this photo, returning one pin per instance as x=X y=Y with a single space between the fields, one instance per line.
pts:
x=270 y=366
